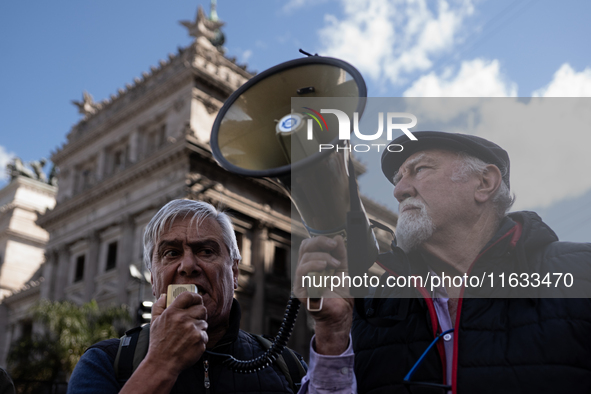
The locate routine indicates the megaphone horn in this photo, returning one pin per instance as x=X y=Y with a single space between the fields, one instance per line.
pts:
x=259 y=133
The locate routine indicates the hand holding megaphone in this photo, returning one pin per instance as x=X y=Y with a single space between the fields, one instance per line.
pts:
x=327 y=258
x=320 y=259
x=269 y=128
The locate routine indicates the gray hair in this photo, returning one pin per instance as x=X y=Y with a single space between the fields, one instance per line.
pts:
x=502 y=200
x=198 y=211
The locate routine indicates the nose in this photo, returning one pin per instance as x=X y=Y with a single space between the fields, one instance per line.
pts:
x=404 y=189
x=189 y=265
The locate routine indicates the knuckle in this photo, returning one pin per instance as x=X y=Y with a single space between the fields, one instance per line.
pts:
x=303 y=245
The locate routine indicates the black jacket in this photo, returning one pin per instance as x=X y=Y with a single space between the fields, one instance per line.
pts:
x=517 y=345
x=239 y=344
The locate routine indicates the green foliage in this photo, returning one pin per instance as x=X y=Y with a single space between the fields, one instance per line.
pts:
x=68 y=329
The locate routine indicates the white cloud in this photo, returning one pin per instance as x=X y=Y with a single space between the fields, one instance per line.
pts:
x=567 y=83
x=476 y=78
x=391 y=39
x=547 y=140
x=5 y=158
x=292 y=5
x=246 y=55
x=260 y=44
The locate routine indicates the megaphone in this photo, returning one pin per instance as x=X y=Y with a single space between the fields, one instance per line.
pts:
x=258 y=133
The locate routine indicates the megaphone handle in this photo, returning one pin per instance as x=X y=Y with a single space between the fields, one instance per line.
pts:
x=316 y=291
x=317 y=309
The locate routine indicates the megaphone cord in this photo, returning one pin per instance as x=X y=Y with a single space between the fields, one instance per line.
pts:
x=271 y=354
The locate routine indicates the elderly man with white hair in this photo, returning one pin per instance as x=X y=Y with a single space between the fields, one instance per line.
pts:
x=530 y=334
x=187 y=242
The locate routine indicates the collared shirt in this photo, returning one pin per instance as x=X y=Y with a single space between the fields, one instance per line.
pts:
x=334 y=374
x=441 y=304
x=330 y=374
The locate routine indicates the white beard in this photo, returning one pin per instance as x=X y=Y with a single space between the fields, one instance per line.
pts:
x=414 y=226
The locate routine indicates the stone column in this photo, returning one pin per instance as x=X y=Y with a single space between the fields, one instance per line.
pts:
x=101 y=167
x=91 y=265
x=134 y=146
x=124 y=256
x=61 y=277
x=49 y=273
x=259 y=239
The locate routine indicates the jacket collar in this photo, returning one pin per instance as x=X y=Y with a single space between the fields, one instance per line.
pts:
x=233 y=329
x=535 y=234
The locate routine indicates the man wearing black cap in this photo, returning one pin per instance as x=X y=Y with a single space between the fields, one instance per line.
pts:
x=527 y=335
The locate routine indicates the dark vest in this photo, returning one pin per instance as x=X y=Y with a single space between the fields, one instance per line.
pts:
x=236 y=342
x=520 y=345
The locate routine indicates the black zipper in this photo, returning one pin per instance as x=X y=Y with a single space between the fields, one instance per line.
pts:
x=206 y=381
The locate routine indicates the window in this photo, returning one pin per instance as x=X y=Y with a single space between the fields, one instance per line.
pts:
x=117 y=157
x=27 y=329
x=111 y=256
x=79 y=273
x=155 y=139
x=85 y=175
x=86 y=179
x=118 y=160
x=280 y=263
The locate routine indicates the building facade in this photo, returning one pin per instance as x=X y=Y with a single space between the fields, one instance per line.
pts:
x=141 y=148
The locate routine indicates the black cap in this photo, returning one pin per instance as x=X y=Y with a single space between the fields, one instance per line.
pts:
x=480 y=148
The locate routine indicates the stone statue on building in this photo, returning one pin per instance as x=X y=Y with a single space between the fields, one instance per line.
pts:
x=37 y=167
x=53 y=176
x=208 y=27
x=17 y=168
x=87 y=106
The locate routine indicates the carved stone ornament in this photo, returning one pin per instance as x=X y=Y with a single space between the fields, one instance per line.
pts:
x=34 y=170
x=203 y=26
x=17 y=168
x=87 y=106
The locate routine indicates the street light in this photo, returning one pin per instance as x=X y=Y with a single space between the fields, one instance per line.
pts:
x=144 y=310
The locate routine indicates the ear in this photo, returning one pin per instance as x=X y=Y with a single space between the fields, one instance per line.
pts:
x=490 y=181
x=235 y=273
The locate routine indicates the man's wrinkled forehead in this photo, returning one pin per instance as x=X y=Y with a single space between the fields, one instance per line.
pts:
x=186 y=227
x=205 y=230
x=408 y=163
x=426 y=156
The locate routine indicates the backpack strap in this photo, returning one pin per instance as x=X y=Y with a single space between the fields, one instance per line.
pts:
x=108 y=346
x=293 y=367
x=297 y=367
x=133 y=347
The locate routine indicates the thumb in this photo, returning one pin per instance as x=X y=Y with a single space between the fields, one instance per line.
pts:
x=159 y=306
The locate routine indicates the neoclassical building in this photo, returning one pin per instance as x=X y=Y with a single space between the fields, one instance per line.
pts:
x=22 y=248
x=147 y=145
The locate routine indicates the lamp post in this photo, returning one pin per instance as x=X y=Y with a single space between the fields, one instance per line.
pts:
x=144 y=310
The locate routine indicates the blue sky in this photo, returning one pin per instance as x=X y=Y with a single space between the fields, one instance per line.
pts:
x=52 y=51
